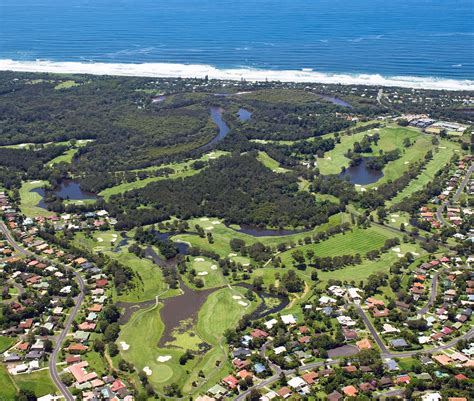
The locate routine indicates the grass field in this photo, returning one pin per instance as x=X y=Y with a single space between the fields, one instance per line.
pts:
x=391 y=138
x=441 y=157
x=39 y=382
x=182 y=170
x=66 y=84
x=29 y=200
x=8 y=389
x=219 y=312
x=149 y=278
x=270 y=163
x=223 y=234
x=6 y=342
x=358 y=241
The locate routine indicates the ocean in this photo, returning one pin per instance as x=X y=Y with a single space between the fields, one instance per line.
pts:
x=426 y=43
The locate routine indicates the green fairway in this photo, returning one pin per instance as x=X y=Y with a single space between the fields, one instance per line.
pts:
x=223 y=234
x=38 y=382
x=208 y=271
x=29 y=200
x=7 y=385
x=272 y=164
x=148 y=282
x=368 y=267
x=66 y=85
x=391 y=138
x=441 y=157
x=220 y=311
x=182 y=170
x=358 y=241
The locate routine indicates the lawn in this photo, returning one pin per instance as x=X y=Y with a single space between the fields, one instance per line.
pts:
x=29 y=200
x=359 y=240
x=6 y=342
x=222 y=235
x=39 y=382
x=8 y=391
x=270 y=163
x=391 y=138
x=149 y=278
x=441 y=156
x=361 y=272
x=143 y=332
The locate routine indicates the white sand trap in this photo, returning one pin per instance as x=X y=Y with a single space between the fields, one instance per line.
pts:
x=396 y=249
x=203 y=273
x=100 y=239
x=415 y=254
x=209 y=228
x=328 y=158
x=242 y=303
x=114 y=235
x=407 y=162
x=36 y=182
x=394 y=215
x=357 y=185
x=231 y=255
x=199 y=259
x=442 y=147
x=164 y=358
x=400 y=255
x=212 y=157
x=393 y=220
x=204 y=219
x=113 y=240
x=246 y=264
x=363 y=190
x=236 y=297
x=214 y=267
x=124 y=345
x=147 y=370
x=216 y=222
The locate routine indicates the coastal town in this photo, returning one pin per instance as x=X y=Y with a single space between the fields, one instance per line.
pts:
x=111 y=294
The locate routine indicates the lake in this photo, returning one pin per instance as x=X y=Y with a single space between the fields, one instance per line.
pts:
x=408 y=38
x=68 y=189
x=244 y=115
x=265 y=232
x=361 y=175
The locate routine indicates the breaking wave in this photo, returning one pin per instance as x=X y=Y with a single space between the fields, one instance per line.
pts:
x=170 y=70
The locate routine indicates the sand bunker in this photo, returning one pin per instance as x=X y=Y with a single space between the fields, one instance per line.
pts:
x=231 y=255
x=400 y=255
x=100 y=239
x=242 y=303
x=204 y=219
x=393 y=220
x=396 y=249
x=415 y=254
x=214 y=267
x=199 y=259
x=203 y=273
x=36 y=182
x=246 y=264
x=394 y=215
x=216 y=222
x=236 y=297
x=147 y=370
x=209 y=228
x=124 y=345
x=164 y=358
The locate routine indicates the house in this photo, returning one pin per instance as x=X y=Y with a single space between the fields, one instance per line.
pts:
x=217 y=391
x=288 y=319
x=335 y=396
x=442 y=359
x=284 y=392
x=431 y=397
x=403 y=379
x=364 y=344
x=399 y=343
x=310 y=377
x=230 y=381
x=350 y=391
x=257 y=333
x=80 y=373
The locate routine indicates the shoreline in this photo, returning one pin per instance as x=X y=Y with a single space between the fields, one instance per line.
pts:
x=171 y=70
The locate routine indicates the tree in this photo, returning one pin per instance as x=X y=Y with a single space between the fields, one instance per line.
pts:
x=25 y=395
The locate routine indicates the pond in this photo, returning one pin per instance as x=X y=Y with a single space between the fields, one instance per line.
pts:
x=361 y=175
x=244 y=115
x=336 y=101
x=256 y=231
x=69 y=189
x=216 y=115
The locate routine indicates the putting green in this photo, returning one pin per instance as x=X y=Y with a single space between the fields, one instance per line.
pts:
x=162 y=373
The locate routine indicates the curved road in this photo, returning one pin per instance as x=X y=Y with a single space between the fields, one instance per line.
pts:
x=78 y=302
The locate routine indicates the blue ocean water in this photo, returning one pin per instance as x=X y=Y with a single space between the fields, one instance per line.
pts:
x=423 y=38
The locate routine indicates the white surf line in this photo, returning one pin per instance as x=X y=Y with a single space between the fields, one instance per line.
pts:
x=173 y=70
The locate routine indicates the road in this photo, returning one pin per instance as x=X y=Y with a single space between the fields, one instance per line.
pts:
x=457 y=195
x=78 y=303
x=433 y=293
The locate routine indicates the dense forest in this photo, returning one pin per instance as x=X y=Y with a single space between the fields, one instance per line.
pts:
x=237 y=188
